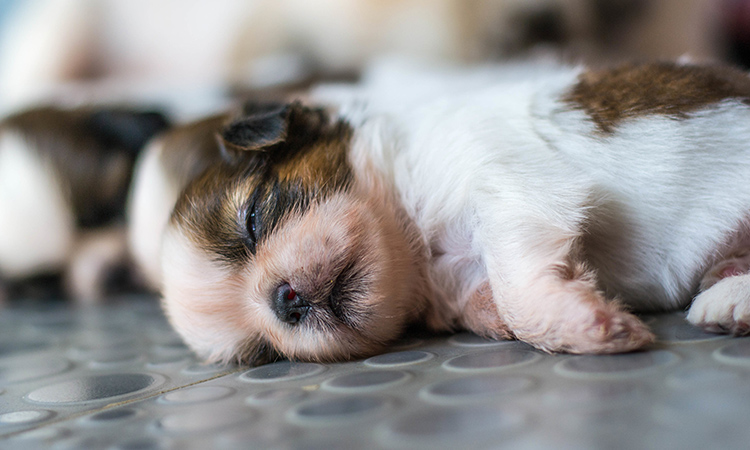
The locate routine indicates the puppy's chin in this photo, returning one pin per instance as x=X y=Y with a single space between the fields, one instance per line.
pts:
x=348 y=259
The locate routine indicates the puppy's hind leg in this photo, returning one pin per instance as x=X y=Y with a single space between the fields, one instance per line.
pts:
x=738 y=263
x=723 y=305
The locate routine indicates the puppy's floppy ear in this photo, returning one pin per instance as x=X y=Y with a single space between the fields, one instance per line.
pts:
x=125 y=129
x=260 y=127
x=272 y=129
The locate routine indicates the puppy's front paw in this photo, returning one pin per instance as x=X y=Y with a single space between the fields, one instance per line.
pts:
x=724 y=308
x=576 y=318
x=610 y=330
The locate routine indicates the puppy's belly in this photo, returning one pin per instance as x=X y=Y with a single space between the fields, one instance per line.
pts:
x=670 y=196
x=647 y=275
x=651 y=249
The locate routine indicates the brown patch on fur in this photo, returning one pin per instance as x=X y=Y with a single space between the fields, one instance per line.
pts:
x=480 y=315
x=92 y=150
x=322 y=166
x=192 y=148
x=630 y=91
x=307 y=166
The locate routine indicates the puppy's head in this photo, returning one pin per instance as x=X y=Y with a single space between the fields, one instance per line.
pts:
x=279 y=250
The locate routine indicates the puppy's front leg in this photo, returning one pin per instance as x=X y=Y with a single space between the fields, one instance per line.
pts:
x=547 y=296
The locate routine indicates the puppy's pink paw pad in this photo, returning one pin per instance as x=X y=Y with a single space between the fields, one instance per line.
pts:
x=734 y=266
x=730 y=271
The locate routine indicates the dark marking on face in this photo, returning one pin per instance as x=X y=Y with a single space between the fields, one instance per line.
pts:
x=272 y=201
x=612 y=96
x=92 y=151
x=237 y=202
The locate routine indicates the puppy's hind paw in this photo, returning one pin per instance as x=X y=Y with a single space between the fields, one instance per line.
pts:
x=735 y=265
x=723 y=308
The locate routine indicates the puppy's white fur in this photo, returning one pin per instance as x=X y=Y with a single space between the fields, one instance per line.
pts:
x=38 y=239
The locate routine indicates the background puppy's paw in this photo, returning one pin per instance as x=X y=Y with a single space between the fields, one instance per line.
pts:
x=724 y=308
x=99 y=265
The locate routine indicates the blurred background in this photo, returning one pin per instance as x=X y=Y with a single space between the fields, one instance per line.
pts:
x=191 y=54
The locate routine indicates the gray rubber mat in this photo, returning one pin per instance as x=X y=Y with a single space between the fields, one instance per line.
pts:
x=117 y=377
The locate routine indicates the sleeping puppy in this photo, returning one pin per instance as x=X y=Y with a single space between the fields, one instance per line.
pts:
x=64 y=177
x=534 y=203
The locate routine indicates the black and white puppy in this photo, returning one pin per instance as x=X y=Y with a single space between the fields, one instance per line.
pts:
x=540 y=203
x=64 y=178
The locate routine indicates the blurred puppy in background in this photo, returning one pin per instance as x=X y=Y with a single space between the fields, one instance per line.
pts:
x=64 y=178
x=170 y=48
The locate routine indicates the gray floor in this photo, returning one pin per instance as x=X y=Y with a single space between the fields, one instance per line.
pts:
x=117 y=377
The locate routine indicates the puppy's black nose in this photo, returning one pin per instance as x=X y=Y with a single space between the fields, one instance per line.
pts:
x=288 y=306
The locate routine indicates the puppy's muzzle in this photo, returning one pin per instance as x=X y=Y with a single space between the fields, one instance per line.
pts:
x=288 y=306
